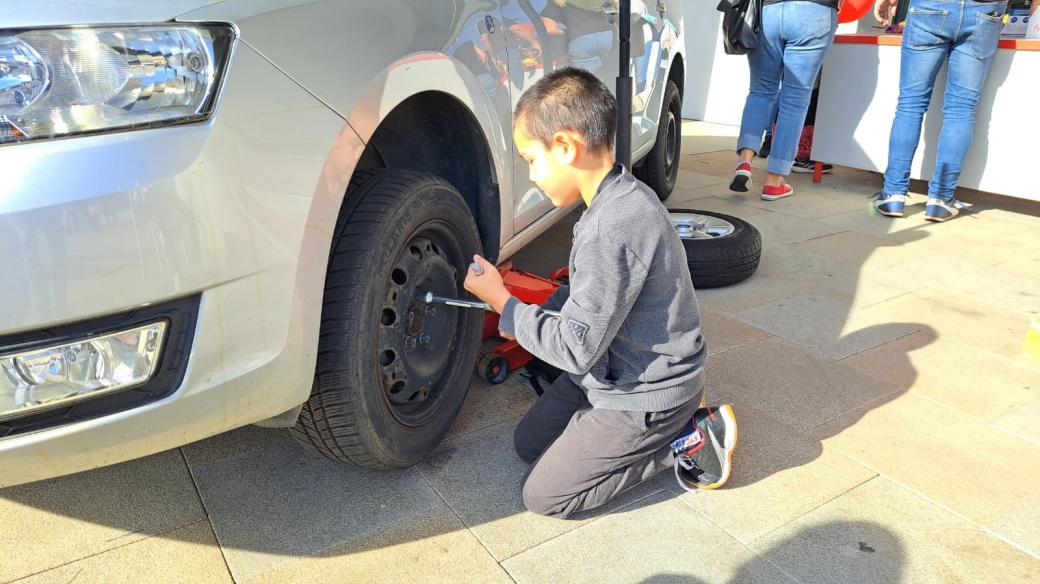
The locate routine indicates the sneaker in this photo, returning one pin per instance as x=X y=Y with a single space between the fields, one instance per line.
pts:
x=704 y=456
x=741 y=178
x=939 y=210
x=771 y=193
x=809 y=166
x=889 y=205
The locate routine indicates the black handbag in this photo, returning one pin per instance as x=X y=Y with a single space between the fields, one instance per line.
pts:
x=741 y=21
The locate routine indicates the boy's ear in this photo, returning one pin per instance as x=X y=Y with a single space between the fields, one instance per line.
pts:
x=565 y=147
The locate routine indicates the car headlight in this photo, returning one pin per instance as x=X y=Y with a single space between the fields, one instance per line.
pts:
x=61 y=82
x=56 y=375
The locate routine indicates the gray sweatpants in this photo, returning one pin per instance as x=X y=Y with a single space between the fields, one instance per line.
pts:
x=584 y=456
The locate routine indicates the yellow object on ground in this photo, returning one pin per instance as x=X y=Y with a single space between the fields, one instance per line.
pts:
x=1031 y=348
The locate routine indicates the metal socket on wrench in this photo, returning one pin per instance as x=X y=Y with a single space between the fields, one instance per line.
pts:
x=432 y=299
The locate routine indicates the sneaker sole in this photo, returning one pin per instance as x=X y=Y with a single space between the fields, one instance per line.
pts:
x=889 y=213
x=731 y=422
x=741 y=183
x=776 y=197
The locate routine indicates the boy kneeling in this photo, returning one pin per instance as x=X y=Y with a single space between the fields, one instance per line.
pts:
x=628 y=336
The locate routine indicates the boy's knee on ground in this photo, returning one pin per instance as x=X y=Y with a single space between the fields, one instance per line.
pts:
x=542 y=497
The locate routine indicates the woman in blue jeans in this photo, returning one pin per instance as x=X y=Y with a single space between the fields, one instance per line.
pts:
x=793 y=40
x=966 y=33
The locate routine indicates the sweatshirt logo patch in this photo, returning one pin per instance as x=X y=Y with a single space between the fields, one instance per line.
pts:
x=577 y=329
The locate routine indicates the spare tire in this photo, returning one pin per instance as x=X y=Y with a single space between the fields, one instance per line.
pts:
x=720 y=249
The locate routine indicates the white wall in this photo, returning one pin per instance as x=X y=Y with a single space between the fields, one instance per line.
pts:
x=858 y=95
x=717 y=83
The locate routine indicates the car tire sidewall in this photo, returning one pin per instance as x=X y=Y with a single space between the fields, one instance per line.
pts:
x=400 y=444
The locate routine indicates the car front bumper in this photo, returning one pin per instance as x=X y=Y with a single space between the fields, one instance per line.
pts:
x=236 y=212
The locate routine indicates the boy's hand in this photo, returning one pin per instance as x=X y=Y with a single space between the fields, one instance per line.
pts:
x=488 y=285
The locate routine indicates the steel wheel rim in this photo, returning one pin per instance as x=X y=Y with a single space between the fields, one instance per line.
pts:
x=672 y=140
x=416 y=343
x=700 y=226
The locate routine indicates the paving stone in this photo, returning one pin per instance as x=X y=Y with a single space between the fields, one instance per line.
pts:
x=958 y=318
x=237 y=442
x=812 y=201
x=836 y=277
x=796 y=387
x=689 y=179
x=778 y=476
x=990 y=285
x=858 y=249
x=1023 y=422
x=719 y=203
x=881 y=533
x=929 y=447
x=716 y=163
x=276 y=502
x=778 y=227
x=654 y=541
x=1024 y=266
x=434 y=547
x=51 y=523
x=479 y=476
x=754 y=291
x=724 y=333
x=825 y=325
x=1021 y=527
x=896 y=230
x=188 y=555
x=982 y=238
x=977 y=383
x=488 y=405
x=687 y=198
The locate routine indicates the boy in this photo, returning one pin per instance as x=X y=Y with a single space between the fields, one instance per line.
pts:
x=628 y=337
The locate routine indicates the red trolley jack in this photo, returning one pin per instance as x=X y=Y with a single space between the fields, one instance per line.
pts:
x=528 y=288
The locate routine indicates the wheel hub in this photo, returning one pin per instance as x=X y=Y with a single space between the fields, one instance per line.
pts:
x=698 y=226
x=417 y=339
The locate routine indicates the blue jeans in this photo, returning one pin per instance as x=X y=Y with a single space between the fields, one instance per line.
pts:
x=794 y=39
x=965 y=32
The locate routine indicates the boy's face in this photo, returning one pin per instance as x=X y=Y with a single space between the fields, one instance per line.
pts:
x=552 y=168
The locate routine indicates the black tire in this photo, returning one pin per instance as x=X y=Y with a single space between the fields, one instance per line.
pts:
x=392 y=371
x=660 y=169
x=723 y=260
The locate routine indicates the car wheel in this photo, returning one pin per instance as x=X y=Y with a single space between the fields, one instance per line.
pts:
x=720 y=249
x=393 y=371
x=660 y=169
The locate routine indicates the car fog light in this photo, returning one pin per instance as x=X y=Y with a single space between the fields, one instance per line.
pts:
x=55 y=375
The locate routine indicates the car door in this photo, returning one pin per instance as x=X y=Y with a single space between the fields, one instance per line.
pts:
x=534 y=48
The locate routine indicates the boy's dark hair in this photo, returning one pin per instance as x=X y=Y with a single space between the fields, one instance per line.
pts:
x=569 y=99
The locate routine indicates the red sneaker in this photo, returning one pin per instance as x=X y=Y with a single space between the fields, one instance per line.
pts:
x=771 y=193
x=741 y=178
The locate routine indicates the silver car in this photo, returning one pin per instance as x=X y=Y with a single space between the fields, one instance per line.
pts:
x=215 y=214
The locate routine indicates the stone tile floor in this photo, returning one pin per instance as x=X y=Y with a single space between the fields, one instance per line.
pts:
x=890 y=432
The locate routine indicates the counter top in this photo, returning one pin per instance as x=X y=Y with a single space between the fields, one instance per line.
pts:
x=894 y=40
